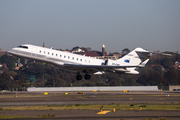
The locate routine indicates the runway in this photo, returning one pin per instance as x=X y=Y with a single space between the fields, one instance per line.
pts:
x=8 y=99
x=54 y=98
x=92 y=114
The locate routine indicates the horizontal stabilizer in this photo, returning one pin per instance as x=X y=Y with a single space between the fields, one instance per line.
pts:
x=143 y=63
x=147 y=52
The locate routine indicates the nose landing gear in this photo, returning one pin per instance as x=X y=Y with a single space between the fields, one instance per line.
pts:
x=18 y=62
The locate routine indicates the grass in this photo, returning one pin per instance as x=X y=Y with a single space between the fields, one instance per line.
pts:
x=46 y=116
x=8 y=117
x=142 y=106
x=39 y=116
x=95 y=107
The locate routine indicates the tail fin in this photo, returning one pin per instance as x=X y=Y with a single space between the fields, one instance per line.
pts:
x=135 y=57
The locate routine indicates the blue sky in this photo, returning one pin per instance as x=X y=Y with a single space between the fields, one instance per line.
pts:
x=119 y=24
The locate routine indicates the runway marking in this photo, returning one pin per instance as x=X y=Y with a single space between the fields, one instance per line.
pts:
x=81 y=97
x=103 y=112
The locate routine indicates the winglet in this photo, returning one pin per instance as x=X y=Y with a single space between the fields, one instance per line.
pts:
x=143 y=63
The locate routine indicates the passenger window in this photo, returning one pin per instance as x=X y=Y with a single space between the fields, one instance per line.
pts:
x=68 y=57
x=48 y=53
x=40 y=51
x=60 y=55
x=52 y=54
x=44 y=52
x=64 y=56
x=73 y=58
x=56 y=54
x=80 y=59
x=77 y=59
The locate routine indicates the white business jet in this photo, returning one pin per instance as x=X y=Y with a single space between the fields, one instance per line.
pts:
x=81 y=64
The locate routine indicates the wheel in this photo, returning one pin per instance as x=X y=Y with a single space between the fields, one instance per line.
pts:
x=78 y=77
x=87 y=76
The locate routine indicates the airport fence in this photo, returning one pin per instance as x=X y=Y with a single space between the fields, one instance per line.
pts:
x=18 y=89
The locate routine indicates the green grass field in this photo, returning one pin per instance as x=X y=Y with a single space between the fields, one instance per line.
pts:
x=10 y=117
x=95 y=107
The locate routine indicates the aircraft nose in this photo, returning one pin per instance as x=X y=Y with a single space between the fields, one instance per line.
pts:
x=13 y=51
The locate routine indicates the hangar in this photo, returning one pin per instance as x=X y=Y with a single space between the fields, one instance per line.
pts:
x=174 y=87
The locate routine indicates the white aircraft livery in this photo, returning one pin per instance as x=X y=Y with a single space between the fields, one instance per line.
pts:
x=81 y=64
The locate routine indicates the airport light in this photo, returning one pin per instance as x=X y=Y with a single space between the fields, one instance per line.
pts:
x=101 y=108
x=131 y=106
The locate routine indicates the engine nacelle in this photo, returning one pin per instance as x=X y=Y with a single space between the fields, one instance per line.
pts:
x=111 y=63
x=133 y=72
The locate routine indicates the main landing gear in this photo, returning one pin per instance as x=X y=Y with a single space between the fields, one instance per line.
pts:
x=79 y=77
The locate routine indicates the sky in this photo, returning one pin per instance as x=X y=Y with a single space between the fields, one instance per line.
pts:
x=63 y=24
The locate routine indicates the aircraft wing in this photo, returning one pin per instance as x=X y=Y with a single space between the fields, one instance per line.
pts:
x=94 y=69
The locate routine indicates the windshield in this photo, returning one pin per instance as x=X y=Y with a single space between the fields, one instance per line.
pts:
x=23 y=47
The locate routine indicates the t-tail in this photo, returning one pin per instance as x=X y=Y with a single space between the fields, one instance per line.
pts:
x=138 y=57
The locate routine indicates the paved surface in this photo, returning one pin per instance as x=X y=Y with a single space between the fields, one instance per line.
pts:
x=88 y=98
x=92 y=114
x=58 y=98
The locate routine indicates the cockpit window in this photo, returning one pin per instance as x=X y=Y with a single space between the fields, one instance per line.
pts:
x=23 y=47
